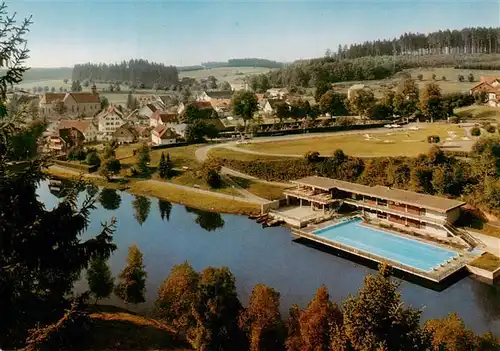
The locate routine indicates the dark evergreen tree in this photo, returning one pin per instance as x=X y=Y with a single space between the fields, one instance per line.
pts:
x=42 y=252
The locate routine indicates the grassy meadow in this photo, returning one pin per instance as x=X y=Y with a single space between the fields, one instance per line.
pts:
x=402 y=142
x=450 y=85
x=479 y=113
x=234 y=75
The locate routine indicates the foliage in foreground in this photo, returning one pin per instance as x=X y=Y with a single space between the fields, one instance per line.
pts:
x=42 y=252
x=373 y=319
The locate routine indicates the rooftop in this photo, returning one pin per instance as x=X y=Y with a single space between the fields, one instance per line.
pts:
x=431 y=202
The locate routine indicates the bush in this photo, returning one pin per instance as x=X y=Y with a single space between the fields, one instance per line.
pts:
x=345 y=121
x=420 y=77
x=454 y=120
x=210 y=171
x=312 y=156
x=470 y=77
x=443 y=78
x=76 y=155
x=433 y=76
x=433 y=139
x=461 y=78
x=490 y=129
x=475 y=131
x=93 y=159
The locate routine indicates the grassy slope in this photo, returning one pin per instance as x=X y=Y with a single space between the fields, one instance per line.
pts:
x=401 y=143
x=113 y=328
x=451 y=85
x=479 y=112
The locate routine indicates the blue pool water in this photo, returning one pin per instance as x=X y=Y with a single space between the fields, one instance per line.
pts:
x=409 y=252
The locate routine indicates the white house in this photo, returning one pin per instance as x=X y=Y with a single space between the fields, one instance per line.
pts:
x=76 y=104
x=148 y=110
x=277 y=93
x=162 y=118
x=215 y=95
x=110 y=120
x=178 y=128
x=270 y=105
x=162 y=135
x=494 y=99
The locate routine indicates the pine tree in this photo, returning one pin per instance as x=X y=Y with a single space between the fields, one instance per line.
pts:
x=131 y=102
x=35 y=288
x=165 y=166
x=132 y=285
x=99 y=278
x=143 y=159
x=165 y=208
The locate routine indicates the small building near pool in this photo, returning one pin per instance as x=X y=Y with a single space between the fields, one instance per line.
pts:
x=401 y=209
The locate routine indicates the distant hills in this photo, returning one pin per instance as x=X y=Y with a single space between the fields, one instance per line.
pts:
x=40 y=74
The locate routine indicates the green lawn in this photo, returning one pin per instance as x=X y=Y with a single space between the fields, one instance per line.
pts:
x=182 y=156
x=225 y=153
x=261 y=189
x=487 y=261
x=233 y=75
x=387 y=143
x=479 y=112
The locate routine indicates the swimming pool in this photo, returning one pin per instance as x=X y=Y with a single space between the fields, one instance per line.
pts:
x=406 y=251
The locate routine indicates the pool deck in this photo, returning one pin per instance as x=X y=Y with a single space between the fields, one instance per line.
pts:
x=436 y=275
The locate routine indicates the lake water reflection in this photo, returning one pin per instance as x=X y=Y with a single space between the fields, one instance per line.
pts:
x=169 y=234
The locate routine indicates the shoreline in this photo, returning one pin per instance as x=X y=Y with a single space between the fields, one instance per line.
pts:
x=199 y=199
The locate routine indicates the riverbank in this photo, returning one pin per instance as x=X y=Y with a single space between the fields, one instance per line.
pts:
x=180 y=194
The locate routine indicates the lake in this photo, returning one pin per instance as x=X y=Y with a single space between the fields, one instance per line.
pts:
x=256 y=255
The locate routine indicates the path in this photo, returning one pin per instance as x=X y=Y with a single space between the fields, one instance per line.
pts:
x=202 y=154
x=247 y=196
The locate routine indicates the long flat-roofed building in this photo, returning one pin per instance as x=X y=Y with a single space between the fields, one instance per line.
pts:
x=420 y=213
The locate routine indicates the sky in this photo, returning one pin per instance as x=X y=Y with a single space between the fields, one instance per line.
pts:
x=181 y=33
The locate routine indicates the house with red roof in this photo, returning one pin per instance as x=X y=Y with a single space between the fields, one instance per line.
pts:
x=85 y=126
x=109 y=120
x=163 y=135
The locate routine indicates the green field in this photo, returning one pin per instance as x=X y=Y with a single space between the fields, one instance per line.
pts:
x=451 y=85
x=479 y=112
x=233 y=75
x=387 y=143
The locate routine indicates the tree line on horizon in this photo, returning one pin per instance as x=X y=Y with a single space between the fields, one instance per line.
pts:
x=470 y=40
x=137 y=72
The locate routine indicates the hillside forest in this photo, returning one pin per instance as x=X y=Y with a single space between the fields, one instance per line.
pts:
x=470 y=48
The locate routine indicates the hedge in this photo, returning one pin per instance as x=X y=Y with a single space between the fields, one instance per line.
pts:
x=77 y=166
x=168 y=146
x=456 y=153
x=313 y=130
